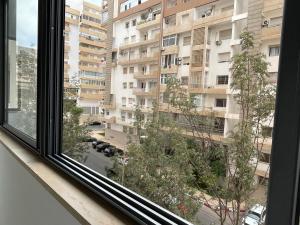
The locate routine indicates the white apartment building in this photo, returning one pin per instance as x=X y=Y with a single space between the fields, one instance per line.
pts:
x=194 y=42
x=85 y=59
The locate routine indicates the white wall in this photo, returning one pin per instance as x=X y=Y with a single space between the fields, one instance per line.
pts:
x=23 y=200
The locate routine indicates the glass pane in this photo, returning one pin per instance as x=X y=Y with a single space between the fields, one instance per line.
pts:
x=22 y=65
x=161 y=101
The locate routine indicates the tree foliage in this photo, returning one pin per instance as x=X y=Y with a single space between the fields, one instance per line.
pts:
x=73 y=133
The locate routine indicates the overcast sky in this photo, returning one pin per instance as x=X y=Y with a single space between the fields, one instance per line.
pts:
x=27 y=13
x=27 y=22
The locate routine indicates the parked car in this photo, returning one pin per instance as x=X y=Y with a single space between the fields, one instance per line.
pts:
x=97 y=142
x=95 y=123
x=255 y=216
x=89 y=139
x=102 y=146
x=110 y=151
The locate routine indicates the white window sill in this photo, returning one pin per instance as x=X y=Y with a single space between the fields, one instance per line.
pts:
x=77 y=199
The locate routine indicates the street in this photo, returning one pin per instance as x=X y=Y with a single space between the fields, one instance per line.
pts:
x=98 y=162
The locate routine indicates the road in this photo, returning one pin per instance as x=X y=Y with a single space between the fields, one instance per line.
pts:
x=98 y=161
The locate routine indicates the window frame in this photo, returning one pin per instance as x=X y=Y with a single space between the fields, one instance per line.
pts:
x=284 y=175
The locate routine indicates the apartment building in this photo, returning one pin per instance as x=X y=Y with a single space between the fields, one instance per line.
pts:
x=194 y=42
x=85 y=55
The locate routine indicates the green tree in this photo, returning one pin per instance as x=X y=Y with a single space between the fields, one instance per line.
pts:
x=158 y=169
x=73 y=133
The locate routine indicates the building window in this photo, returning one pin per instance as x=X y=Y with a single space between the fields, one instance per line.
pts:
x=127 y=25
x=134 y=22
x=184 y=80
x=222 y=79
x=130 y=85
x=124 y=85
x=185 y=19
x=131 y=69
x=125 y=70
x=220 y=102
x=129 y=115
x=225 y=34
x=163 y=78
x=123 y=101
x=224 y=57
x=274 y=51
x=187 y=40
x=169 y=40
x=125 y=129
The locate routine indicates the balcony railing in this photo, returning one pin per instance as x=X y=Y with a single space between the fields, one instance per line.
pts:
x=144 y=92
x=143 y=76
x=138 y=43
x=145 y=24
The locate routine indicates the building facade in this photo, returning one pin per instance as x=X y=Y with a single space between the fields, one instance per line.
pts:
x=192 y=41
x=85 y=56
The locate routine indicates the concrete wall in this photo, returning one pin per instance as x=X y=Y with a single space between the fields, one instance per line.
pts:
x=23 y=200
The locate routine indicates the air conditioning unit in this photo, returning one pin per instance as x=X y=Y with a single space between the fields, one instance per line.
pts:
x=208 y=12
x=163 y=49
x=218 y=43
x=178 y=61
x=266 y=23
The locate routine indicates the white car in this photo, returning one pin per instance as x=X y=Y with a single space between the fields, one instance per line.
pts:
x=255 y=216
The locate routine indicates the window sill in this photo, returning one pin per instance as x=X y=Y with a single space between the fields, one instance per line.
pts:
x=83 y=204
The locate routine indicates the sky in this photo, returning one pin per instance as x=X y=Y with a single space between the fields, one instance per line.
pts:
x=27 y=13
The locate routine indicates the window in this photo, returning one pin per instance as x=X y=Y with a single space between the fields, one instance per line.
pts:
x=224 y=57
x=169 y=145
x=131 y=70
x=134 y=22
x=274 y=51
x=169 y=40
x=130 y=85
x=222 y=79
x=124 y=85
x=123 y=101
x=187 y=40
x=221 y=102
x=225 y=34
x=127 y=25
x=185 y=19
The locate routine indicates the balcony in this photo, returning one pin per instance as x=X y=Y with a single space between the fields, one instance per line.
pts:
x=89 y=59
x=92 y=86
x=100 y=35
x=271 y=33
x=199 y=88
x=88 y=96
x=71 y=21
x=168 y=50
x=218 y=18
x=140 y=43
x=108 y=106
x=169 y=69
x=92 y=24
x=143 y=24
x=72 y=11
x=150 y=75
x=92 y=68
x=88 y=41
x=144 y=92
x=92 y=51
x=177 y=29
x=139 y=58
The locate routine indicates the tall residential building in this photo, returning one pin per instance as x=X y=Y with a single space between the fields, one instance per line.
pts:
x=85 y=55
x=192 y=41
